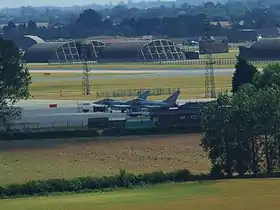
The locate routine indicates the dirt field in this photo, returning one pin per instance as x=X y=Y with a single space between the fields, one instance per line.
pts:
x=28 y=160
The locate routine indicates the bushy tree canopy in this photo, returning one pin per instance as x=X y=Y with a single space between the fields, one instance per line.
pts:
x=14 y=81
x=241 y=133
x=244 y=73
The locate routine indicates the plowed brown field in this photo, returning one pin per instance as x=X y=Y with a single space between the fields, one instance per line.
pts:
x=42 y=159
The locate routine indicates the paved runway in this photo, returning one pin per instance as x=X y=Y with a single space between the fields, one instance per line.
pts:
x=36 y=113
x=67 y=113
x=127 y=74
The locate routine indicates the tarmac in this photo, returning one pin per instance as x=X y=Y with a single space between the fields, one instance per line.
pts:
x=38 y=114
x=128 y=74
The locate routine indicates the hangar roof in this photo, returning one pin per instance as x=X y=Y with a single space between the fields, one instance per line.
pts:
x=35 y=38
x=42 y=52
x=123 y=49
x=267 y=44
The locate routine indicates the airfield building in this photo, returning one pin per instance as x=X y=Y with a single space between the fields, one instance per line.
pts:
x=141 y=50
x=263 y=49
x=105 y=50
x=28 y=41
x=53 y=52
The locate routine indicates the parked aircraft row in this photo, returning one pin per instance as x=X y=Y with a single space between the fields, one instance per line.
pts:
x=141 y=101
x=140 y=104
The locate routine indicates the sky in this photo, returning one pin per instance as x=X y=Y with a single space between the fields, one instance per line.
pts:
x=19 y=3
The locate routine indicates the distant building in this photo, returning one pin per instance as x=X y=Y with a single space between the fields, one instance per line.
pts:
x=268 y=32
x=213 y=45
x=52 y=52
x=106 y=49
x=28 y=41
x=263 y=49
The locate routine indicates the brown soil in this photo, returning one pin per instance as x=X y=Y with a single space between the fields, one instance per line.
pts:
x=28 y=160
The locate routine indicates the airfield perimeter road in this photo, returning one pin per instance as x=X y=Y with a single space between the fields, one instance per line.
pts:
x=121 y=74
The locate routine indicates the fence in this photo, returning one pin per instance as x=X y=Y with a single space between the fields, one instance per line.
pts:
x=139 y=122
x=187 y=91
x=134 y=92
x=190 y=63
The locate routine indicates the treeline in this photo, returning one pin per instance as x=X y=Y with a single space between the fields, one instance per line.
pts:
x=187 y=21
x=241 y=133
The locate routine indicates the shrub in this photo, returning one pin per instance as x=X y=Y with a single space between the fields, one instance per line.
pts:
x=216 y=172
x=87 y=184
x=181 y=175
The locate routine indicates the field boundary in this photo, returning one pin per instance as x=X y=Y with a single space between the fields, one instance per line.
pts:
x=109 y=183
x=195 y=63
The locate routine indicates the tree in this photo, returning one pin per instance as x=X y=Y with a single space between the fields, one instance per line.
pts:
x=14 y=82
x=247 y=130
x=268 y=77
x=89 y=18
x=31 y=27
x=267 y=112
x=217 y=135
x=244 y=73
x=242 y=133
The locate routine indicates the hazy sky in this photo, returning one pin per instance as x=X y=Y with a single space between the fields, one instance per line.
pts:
x=18 y=3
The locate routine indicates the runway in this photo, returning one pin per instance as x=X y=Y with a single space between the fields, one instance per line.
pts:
x=128 y=74
x=37 y=114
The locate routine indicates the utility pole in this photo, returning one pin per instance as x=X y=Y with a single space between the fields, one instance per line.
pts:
x=209 y=67
x=86 y=72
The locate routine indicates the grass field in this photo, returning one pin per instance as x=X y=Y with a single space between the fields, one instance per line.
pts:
x=76 y=75
x=123 y=66
x=231 y=195
x=42 y=159
x=191 y=87
x=139 y=66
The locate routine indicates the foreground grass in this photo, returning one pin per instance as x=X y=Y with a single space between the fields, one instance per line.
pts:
x=191 y=87
x=21 y=161
x=231 y=195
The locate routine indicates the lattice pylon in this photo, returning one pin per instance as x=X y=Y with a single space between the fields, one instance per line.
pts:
x=86 y=71
x=210 y=91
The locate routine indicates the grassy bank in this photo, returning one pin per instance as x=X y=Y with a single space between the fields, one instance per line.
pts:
x=231 y=195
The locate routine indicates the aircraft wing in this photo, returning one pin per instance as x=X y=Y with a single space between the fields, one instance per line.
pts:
x=151 y=106
x=121 y=106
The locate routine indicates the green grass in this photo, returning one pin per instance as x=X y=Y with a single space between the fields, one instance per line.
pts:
x=231 y=195
x=191 y=87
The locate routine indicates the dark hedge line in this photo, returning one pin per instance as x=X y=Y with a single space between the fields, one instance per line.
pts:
x=49 y=134
x=91 y=133
x=122 y=180
x=87 y=184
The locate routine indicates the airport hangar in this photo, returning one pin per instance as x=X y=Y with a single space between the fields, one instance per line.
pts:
x=263 y=49
x=107 y=50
